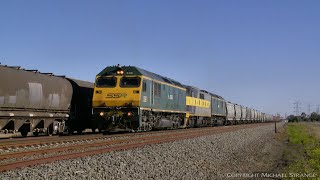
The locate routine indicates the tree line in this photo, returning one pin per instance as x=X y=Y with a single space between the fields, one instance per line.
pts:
x=304 y=117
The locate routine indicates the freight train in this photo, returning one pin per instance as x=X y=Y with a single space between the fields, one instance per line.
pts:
x=129 y=98
x=122 y=99
x=36 y=102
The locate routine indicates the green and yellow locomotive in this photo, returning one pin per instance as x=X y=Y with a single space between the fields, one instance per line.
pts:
x=132 y=99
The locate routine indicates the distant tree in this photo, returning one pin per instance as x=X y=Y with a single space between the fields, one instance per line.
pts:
x=304 y=116
x=293 y=118
x=290 y=118
x=314 y=117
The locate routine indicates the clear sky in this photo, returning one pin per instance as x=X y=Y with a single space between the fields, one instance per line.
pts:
x=263 y=54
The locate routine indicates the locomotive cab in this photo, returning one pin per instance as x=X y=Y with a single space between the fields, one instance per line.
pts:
x=116 y=99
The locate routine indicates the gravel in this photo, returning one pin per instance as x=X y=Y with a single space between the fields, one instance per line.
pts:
x=63 y=143
x=209 y=157
x=68 y=142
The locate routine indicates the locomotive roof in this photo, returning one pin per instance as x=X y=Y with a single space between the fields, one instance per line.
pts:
x=214 y=95
x=191 y=87
x=132 y=70
x=217 y=96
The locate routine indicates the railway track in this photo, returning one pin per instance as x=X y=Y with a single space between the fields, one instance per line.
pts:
x=22 y=159
x=14 y=143
x=8 y=144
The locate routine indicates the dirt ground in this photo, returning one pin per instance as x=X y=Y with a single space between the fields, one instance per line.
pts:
x=276 y=161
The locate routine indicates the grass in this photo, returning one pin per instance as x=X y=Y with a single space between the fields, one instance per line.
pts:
x=303 y=151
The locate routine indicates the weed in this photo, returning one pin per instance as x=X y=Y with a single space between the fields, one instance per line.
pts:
x=303 y=150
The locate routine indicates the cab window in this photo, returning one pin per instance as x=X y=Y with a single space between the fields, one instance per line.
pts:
x=130 y=82
x=106 y=82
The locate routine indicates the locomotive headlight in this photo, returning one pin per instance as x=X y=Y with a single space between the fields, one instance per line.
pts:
x=121 y=72
x=101 y=114
x=129 y=113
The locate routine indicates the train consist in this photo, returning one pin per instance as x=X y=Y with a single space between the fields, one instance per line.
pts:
x=36 y=102
x=129 y=98
x=122 y=99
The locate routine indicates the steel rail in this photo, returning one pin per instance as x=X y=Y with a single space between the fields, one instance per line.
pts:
x=133 y=144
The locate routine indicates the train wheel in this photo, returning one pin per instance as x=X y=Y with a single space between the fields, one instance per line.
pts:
x=50 y=130
x=106 y=132
x=24 y=133
x=79 y=131
x=36 y=133
x=149 y=127
x=226 y=123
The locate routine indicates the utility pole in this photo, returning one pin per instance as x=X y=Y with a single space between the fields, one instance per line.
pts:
x=297 y=107
x=309 y=109
x=318 y=108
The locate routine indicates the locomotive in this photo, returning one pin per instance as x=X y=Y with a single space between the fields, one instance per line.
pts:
x=36 y=102
x=133 y=99
x=129 y=98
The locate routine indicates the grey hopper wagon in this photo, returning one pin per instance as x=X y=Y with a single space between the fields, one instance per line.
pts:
x=36 y=102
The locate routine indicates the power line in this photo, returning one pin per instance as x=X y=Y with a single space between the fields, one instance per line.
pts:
x=297 y=107
x=309 y=109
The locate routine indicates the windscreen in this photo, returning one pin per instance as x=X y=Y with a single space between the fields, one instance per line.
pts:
x=130 y=82
x=106 y=82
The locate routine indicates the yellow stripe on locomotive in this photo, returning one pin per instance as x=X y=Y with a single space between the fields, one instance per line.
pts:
x=192 y=101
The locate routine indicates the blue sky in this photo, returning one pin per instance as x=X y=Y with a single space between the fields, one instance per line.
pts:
x=262 y=54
